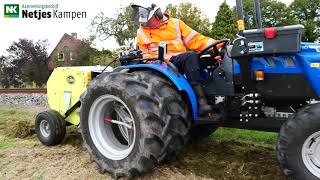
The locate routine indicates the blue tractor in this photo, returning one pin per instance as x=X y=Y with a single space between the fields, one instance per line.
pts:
x=144 y=111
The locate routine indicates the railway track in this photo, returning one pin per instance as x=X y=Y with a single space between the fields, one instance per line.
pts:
x=24 y=90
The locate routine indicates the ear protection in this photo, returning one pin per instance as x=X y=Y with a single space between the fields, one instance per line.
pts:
x=158 y=13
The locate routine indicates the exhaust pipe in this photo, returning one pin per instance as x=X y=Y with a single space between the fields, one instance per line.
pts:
x=240 y=18
x=257 y=14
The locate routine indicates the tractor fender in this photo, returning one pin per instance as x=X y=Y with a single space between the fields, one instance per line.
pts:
x=177 y=79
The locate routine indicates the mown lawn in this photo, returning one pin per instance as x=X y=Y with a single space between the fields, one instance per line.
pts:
x=226 y=154
x=6 y=142
x=268 y=139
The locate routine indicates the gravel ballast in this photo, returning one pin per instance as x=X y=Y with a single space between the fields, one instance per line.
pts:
x=21 y=99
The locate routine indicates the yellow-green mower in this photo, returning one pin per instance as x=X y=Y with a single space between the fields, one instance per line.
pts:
x=64 y=88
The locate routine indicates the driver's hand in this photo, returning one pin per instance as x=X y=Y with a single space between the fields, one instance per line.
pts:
x=219 y=46
x=217 y=58
x=211 y=50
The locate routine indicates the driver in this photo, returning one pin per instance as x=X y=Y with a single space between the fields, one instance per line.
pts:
x=156 y=27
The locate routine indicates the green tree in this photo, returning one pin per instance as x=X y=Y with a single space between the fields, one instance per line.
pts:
x=9 y=75
x=307 y=12
x=2 y=65
x=84 y=52
x=103 y=57
x=30 y=61
x=124 y=30
x=225 y=25
x=273 y=13
x=86 y=55
x=192 y=16
x=120 y=27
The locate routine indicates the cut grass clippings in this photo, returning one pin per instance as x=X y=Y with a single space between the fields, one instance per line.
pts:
x=19 y=129
x=229 y=159
x=16 y=122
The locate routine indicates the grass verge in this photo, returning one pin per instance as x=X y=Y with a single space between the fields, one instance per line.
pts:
x=268 y=139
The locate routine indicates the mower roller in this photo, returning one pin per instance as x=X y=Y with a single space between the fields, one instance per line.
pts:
x=139 y=114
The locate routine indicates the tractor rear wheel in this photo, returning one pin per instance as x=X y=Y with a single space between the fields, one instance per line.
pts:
x=130 y=122
x=298 y=148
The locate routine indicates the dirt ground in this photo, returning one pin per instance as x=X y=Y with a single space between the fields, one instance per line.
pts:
x=208 y=159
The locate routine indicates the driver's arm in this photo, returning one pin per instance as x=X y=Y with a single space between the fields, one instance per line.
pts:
x=149 y=49
x=194 y=40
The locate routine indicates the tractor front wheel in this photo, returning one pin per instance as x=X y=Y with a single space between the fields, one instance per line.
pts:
x=298 y=147
x=130 y=122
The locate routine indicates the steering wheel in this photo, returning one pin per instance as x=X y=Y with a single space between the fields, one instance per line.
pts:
x=214 y=46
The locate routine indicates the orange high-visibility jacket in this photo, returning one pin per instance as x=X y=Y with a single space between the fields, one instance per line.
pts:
x=176 y=34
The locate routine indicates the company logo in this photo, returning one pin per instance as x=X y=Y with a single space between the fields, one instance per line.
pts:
x=70 y=79
x=11 y=10
x=40 y=11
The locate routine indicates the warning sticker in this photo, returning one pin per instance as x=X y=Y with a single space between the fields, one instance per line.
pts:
x=255 y=46
x=240 y=24
x=315 y=65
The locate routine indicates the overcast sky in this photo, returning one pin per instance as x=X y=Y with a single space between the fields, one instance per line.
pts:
x=52 y=29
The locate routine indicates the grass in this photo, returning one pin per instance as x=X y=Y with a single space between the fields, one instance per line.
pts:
x=37 y=178
x=256 y=137
x=16 y=122
x=7 y=142
x=12 y=113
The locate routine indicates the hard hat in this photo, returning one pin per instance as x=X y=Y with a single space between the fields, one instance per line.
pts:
x=143 y=15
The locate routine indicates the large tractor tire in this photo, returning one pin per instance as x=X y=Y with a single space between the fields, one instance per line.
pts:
x=298 y=147
x=200 y=132
x=130 y=122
